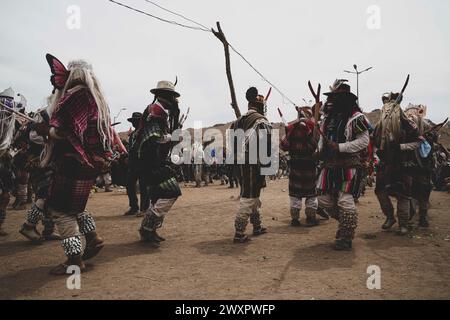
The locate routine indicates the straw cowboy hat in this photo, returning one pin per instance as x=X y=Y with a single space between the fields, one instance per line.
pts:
x=165 y=86
x=7 y=93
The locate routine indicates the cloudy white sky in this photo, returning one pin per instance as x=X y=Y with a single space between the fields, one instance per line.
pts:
x=290 y=41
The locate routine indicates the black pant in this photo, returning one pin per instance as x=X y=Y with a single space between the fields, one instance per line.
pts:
x=233 y=175
x=133 y=177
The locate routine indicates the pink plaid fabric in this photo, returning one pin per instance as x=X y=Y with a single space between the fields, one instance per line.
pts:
x=77 y=115
x=69 y=195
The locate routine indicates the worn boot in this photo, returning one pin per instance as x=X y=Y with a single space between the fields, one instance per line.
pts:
x=30 y=232
x=255 y=220
x=240 y=238
x=348 y=221
x=140 y=214
x=295 y=223
x=403 y=212
x=73 y=249
x=50 y=234
x=150 y=224
x=323 y=214
x=150 y=237
x=295 y=216
x=423 y=219
x=28 y=229
x=87 y=227
x=389 y=223
x=61 y=270
x=259 y=231
x=402 y=230
x=159 y=238
x=131 y=212
x=94 y=244
x=240 y=225
x=311 y=218
x=343 y=245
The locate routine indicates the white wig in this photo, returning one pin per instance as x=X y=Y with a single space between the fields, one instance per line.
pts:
x=82 y=76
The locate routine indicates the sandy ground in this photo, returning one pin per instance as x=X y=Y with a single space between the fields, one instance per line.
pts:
x=199 y=260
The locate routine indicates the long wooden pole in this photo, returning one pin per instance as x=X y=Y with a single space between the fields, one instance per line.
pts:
x=317 y=107
x=23 y=116
x=221 y=36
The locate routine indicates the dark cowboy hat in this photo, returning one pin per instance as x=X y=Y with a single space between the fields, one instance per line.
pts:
x=340 y=87
x=135 y=117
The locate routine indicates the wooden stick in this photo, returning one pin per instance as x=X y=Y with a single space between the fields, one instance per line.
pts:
x=282 y=118
x=181 y=120
x=268 y=94
x=10 y=110
x=438 y=127
x=400 y=97
x=221 y=36
x=317 y=107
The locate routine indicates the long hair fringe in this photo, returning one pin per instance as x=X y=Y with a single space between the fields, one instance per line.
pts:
x=81 y=75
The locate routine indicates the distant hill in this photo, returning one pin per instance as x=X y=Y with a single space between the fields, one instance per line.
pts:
x=373 y=117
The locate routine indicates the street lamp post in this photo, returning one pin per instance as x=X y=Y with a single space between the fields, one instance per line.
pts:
x=357 y=72
x=118 y=114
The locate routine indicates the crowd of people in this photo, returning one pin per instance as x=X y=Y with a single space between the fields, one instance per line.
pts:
x=54 y=157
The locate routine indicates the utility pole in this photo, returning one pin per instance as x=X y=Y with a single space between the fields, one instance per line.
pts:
x=357 y=72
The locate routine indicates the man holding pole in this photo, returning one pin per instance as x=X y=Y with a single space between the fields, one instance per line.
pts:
x=345 y=134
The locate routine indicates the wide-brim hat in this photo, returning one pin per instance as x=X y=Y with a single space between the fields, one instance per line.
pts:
x=342 y=89
x=136 y=116
x=165 y=86
x=7 y=93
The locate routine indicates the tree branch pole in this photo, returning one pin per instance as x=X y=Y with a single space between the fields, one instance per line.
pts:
x=221 y=36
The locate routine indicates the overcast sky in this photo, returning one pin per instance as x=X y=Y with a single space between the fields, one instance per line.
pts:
x=290 y=42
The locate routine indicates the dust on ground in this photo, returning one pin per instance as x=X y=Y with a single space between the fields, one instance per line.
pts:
x=200 y=261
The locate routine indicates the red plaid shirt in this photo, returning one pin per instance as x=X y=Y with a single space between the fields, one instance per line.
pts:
x=76 y=115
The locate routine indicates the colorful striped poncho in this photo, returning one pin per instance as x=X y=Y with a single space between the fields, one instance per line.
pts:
x=342 y=172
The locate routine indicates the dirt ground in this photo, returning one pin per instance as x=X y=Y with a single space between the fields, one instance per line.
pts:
x=199 y=260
